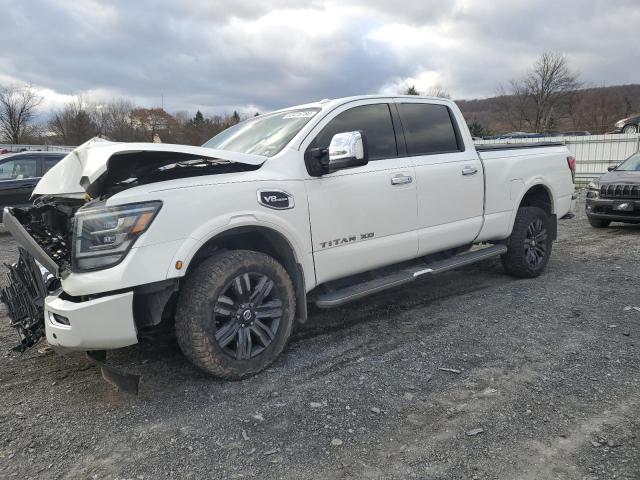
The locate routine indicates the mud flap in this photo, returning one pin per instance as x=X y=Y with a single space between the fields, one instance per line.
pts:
x=125 y=382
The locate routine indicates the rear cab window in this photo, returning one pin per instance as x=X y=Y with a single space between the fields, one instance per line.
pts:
x=429 y=129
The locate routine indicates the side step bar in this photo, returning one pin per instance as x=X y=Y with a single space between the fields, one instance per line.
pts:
x=339 y=297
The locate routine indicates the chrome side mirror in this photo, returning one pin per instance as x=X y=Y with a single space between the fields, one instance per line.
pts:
x=348 y=149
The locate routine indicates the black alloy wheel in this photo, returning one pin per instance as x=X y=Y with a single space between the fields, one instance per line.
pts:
x=235 y=313
x=529 y=246
x=247 y=316
x=535 y=245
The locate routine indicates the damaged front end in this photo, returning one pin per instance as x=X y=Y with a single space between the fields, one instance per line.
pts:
x=44 y=235
x=72 y=228
x=27 y=285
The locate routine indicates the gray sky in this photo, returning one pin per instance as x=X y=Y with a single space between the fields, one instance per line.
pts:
x=218 y=55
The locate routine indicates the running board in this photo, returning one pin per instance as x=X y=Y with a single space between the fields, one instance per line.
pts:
x=339 y=297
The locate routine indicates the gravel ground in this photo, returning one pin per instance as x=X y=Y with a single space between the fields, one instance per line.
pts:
x=547 y=386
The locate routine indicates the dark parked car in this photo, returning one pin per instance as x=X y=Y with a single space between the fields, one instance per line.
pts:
x=615 y=196
x=628 y=125
x=19 y=173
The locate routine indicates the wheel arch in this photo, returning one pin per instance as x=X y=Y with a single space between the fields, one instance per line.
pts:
x=262 y=239
x=538 y=195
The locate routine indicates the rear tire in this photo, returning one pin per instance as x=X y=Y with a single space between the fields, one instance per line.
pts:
x=599 y=223
x=235 y=313
x=529 y=247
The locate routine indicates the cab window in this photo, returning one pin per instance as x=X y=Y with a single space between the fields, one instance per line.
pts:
x=428 y=129
x=374 y=120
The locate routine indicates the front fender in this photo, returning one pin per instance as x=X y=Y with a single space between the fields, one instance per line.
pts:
x=300 y=244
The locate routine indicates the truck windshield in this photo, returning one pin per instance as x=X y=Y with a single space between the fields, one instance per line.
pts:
x=264 y=135
x=631 y=164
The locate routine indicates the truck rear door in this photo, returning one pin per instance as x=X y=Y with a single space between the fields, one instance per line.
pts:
x=449 y=177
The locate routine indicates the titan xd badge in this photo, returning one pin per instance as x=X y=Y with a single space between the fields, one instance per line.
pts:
x=344 y=240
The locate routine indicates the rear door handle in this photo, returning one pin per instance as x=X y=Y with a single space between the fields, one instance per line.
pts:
x=469 y=170
x=401 y=180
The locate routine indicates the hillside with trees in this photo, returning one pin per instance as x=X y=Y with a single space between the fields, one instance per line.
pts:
x=594 y=109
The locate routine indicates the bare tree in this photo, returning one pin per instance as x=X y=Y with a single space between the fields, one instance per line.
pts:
x=74 y=124
x=513 y=106
x=438 y=90
x=113 y=120
x=540 y=98
x=434 y=91
x=595 y=109
x=18 y=108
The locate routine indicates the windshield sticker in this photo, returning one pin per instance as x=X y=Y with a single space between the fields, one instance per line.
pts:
x=304 y=114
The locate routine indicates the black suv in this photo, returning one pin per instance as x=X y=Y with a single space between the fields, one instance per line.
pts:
x=19 y=174
x=615 y=196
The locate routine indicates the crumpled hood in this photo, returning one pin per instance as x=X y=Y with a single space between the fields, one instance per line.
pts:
x=90 y=161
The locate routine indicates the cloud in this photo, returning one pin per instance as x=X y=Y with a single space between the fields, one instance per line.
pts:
x=218 y=55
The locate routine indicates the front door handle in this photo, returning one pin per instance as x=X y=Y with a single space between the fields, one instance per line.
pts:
x=401 y=180
x=469 y=170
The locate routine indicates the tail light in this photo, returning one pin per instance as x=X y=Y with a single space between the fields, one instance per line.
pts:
x=571 y=161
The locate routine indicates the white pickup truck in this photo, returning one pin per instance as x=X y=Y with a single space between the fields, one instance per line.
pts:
x=227 y=243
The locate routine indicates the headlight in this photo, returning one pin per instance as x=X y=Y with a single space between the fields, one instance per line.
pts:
x=593 y=190
x=104 y=235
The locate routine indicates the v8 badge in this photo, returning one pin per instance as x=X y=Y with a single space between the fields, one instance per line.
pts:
x=276 y=199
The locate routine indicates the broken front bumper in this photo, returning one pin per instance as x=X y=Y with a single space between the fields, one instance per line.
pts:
x=97 y=324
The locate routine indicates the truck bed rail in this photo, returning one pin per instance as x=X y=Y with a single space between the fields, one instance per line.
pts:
x=513 y=146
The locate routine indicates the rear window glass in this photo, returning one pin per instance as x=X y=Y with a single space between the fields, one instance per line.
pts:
x=428 y=128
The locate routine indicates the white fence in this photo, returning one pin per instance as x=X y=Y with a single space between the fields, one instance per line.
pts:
x=40 y=148
x=594 y=153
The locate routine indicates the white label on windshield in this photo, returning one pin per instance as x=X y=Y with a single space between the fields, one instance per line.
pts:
x=304 y=114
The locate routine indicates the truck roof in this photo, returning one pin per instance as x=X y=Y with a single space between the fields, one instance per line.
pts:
x=332 y=103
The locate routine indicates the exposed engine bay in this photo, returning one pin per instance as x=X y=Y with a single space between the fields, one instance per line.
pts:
x=60 y=223
x=50 y=224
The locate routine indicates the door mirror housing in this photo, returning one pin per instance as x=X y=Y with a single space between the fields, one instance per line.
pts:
x=611 y=169
x=346 y=150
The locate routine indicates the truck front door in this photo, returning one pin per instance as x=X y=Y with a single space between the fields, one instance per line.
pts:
x=362 y=217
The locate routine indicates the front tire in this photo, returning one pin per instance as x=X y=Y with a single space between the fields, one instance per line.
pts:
x=599 y=223
x=530 y=243
x=631 y=128
x=235 y=313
